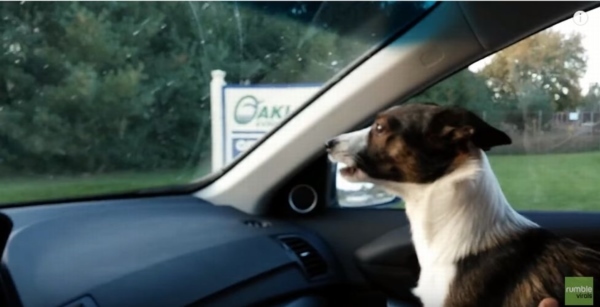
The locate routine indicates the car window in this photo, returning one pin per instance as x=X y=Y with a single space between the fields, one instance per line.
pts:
x=106 y=97
x=544 y=91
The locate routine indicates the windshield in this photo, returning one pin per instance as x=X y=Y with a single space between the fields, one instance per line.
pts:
x=101 y=98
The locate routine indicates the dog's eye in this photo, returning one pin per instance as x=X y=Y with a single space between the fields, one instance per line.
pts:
x=378 y=128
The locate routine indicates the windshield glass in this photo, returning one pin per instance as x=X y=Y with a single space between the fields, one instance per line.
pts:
x=107 y=97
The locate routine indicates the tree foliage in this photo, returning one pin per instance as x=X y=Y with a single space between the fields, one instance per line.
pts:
x=92 y=87
x=525 y=82
x=549 y=60
x=591 y=101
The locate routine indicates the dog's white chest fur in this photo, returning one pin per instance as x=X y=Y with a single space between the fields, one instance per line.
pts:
x=434 y=283
x=460 y=214
x=436 y=274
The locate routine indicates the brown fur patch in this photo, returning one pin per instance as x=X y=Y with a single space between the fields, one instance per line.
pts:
x=419 y=143
x=388 y=147
x=462 y=157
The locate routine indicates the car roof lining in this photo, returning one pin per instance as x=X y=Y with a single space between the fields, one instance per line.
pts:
x=458 y=34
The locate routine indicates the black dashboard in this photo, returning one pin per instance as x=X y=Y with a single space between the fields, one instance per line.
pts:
x=166 y=251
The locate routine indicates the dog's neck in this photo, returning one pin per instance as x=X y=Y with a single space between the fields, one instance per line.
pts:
x=462 y=213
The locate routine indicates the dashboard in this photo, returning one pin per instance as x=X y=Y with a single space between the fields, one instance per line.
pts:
x=166 y=251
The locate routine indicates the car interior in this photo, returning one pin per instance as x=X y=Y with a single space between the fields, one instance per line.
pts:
x=266 y=230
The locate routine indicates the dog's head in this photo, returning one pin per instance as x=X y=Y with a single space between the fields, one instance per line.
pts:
x=413 y=143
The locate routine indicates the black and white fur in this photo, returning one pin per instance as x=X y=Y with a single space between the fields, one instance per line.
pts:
x=473 y=247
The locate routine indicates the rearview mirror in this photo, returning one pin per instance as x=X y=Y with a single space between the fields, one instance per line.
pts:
x=359 y=195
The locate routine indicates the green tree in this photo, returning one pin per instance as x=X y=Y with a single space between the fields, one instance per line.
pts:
x=468 y=90
x=591 y=101
x=522 y=85
x=548 y=60
x=94 y=87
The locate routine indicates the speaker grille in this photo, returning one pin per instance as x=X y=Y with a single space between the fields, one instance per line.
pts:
x=303 y=198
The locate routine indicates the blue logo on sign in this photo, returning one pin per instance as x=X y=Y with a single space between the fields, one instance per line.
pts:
x=239 y=145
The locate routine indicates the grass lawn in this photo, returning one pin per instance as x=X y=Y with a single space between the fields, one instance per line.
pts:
x=550 y=182
x=15 y=190
x=547 y=182
x=537 y=182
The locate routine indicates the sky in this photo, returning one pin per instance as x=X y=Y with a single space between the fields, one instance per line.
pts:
x=591 y=43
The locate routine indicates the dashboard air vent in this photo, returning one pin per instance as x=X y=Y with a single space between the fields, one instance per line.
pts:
x=313 y=263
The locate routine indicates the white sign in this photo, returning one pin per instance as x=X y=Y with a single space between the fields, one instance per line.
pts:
x=574 y=116
x=246 y=113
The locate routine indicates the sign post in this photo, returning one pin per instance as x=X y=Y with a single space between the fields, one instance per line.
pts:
x=242 y=114
x=216 y=96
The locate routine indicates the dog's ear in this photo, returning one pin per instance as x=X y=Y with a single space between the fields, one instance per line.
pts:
x=455 y=124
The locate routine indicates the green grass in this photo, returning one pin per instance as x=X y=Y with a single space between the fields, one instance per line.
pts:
x=530 y=182
x=550 y=182
x=18 y=190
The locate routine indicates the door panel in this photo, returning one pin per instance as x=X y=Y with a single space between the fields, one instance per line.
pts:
x=347 y=230
x=375 y=246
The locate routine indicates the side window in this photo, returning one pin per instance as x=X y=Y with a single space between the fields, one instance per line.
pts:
x=544 y=91
x=353 y=195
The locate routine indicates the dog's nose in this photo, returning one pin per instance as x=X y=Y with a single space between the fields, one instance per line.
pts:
x=330 y=144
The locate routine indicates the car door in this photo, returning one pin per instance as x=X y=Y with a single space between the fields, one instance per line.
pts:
x=544 y=91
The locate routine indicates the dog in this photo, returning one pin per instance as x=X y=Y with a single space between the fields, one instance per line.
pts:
x=473 y=248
